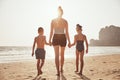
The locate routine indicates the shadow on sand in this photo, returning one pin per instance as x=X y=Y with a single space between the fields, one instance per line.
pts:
x=58 y=77
x=39 y=78
x=63 y=77
x=83 y=77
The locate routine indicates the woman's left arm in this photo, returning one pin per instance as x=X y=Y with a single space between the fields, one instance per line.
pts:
x=67 y=33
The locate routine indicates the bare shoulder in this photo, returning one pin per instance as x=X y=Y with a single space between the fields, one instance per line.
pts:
x=64 y=20
x=76 y=36
x=53 y=21
x=35 y=37
x=44 y=36
x=84 y=36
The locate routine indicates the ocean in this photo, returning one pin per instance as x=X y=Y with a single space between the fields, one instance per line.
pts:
x=16 y=53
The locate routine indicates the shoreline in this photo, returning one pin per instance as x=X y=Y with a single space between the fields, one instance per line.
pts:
x=85 y=56
x=32 y=59
x=106 y=67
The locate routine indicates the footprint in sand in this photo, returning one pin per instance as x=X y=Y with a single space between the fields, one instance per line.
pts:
x=30 y=76
x=104 y=62
x=5 y=68
x=91 y=70
x=18 y=75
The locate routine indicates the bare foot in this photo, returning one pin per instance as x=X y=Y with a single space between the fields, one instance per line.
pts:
x=39 y=72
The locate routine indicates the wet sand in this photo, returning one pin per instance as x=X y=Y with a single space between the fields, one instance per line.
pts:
x=106 y=67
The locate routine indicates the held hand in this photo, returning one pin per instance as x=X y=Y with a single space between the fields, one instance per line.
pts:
x=50 y=43
x=69 y=45
x=32 y=54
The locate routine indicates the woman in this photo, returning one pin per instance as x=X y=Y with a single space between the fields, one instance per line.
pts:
x=59 y=34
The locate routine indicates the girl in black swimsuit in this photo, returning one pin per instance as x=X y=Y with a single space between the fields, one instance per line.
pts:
x=79 y=40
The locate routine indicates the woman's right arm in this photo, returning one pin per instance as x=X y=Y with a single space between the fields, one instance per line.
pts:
x=51 y=32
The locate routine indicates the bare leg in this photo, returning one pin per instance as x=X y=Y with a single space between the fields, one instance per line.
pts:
x=56 y=49
x=77 y=60
x=42 y=63
x=62 y=57
x=82 y=62
x=38 y=64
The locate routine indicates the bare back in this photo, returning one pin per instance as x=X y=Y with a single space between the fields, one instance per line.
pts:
x=59 y=25
x=80 y=37
x=40 y=40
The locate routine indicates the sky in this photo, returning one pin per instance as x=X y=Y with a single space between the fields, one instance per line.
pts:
x=20 y=19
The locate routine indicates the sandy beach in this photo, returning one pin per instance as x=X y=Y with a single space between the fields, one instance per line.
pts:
x=106 y=67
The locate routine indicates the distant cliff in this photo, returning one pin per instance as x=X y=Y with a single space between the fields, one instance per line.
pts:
x=108 y=36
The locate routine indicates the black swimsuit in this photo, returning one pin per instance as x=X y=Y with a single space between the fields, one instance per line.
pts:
x=80 y=45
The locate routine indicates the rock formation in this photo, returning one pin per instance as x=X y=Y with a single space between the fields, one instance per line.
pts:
x=108 y=36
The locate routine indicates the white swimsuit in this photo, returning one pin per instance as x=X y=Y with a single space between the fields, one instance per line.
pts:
x=59 y=30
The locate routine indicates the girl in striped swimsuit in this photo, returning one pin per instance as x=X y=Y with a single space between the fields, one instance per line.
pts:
x=79 y=40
